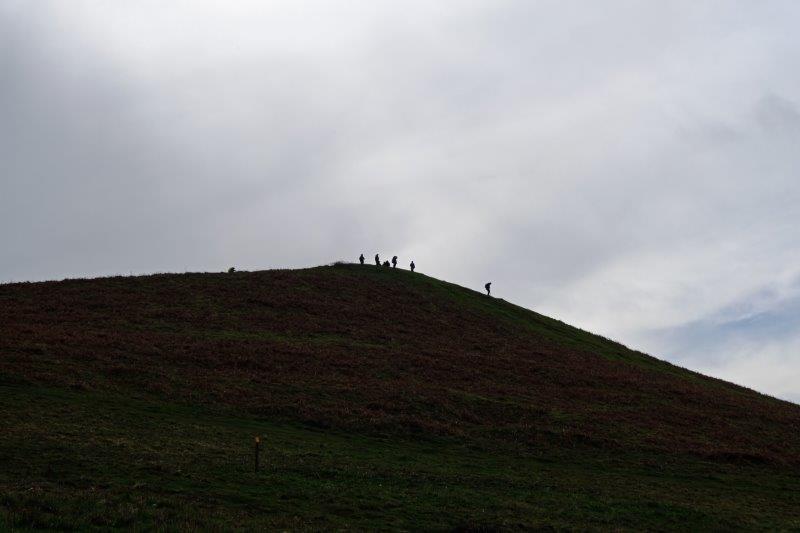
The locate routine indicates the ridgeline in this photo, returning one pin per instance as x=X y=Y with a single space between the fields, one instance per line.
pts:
x=384 y=399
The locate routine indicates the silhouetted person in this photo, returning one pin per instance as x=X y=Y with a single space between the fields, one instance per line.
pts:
x=377 y=260
x=361 y=258
x=386 y=264
x=488 y=288
x=413 y=266
x=394 y=262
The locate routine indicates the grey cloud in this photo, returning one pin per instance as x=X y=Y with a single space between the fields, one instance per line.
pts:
x=778 y=116
x=768 y=315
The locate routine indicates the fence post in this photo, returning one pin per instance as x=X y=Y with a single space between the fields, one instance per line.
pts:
x=258 y=450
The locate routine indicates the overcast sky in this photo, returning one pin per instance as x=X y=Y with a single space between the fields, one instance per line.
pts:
x=629 y=167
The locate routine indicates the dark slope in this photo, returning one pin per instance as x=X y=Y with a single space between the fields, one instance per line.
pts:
x=380 y=352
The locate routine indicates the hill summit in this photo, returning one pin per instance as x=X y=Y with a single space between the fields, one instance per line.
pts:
x=375 y=352
x=379 y=349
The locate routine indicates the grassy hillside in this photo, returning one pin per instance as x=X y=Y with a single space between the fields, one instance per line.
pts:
x=385 y=398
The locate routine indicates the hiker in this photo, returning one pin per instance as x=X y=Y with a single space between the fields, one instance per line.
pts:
x=394 y=262
x=377 y=260
x=413 y=266
x=488 y=288
x=386 y=264
x=361 y=258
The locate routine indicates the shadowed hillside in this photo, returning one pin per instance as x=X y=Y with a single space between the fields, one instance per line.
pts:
x=357 y=352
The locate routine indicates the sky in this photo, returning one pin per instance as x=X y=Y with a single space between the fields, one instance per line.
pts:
x=626 y=166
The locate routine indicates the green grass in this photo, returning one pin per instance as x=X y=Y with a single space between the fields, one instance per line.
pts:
x=387 y=401
x=554 y=330
x=77 y=460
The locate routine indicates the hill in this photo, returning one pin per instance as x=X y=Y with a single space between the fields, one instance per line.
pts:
x=385 y=399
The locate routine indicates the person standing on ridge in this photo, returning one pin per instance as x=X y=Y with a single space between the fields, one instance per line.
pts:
x=377 y=260
x=394 y=262
x=413 y=266
x=361 y=258
x=488 y=288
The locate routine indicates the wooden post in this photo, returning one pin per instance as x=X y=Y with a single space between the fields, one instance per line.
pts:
x=258 y=452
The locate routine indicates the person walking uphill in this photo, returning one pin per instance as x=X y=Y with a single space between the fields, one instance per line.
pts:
x=361 y=258
x=488 y=288
x=377 y=260
x=394 y=262
x=413 y=266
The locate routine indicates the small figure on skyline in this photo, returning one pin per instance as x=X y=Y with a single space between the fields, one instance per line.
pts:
x=413 y=266
x=488 y=288
x=394 y=262
x=386 y=264
x=361 y=258
x=377 y=260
